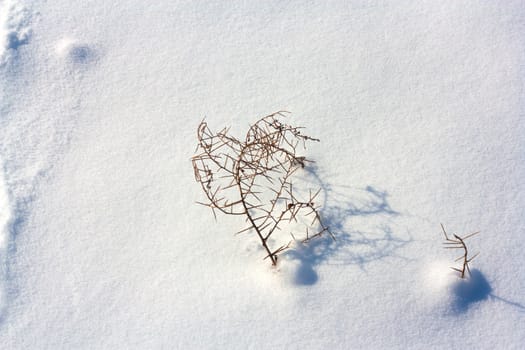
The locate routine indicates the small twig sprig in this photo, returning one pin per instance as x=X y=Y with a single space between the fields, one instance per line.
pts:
x=458 y=242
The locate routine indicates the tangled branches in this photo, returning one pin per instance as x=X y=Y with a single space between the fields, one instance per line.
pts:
x=253 y=178
x=459 y=243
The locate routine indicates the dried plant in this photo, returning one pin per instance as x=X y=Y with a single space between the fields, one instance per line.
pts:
x=253 y=178
x=459 y=243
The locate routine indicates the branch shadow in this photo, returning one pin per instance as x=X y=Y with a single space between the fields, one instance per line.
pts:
x=474 y=289
x=518 y=306
x=361 y=220
x=470 y=290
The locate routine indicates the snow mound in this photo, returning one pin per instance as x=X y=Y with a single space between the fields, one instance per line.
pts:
x=453 y=294
x=14 y=28
x=5 y=218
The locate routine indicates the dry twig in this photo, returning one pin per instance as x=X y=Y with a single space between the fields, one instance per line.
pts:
x=253 y=177
x=459 y=243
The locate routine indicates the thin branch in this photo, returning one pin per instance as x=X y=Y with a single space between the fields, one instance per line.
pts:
x=229 y=170
x=458 y=242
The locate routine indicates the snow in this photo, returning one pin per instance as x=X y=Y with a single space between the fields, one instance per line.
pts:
x=420 y=110
x=14 y=28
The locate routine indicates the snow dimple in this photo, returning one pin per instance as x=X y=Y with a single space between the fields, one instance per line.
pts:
x=15 y=30
x=76 y=53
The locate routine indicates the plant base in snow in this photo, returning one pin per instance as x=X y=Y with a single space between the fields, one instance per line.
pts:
x=252 y=178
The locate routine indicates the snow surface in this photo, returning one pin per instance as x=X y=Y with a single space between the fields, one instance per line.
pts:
x=420 y=110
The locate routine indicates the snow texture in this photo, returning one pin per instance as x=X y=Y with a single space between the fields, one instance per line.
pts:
x=14 y=28
x=420 y=110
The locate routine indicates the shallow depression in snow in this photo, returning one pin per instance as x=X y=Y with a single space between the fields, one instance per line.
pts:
x=76 y=53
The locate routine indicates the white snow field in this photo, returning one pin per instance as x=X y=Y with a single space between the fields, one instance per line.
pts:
x=420 y=108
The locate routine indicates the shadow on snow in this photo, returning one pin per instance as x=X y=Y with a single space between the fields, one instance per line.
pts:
x=361 y=221
x=474 y=289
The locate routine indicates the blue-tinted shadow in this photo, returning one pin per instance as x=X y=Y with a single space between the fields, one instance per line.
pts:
x=341 y=208
x=471 y=290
